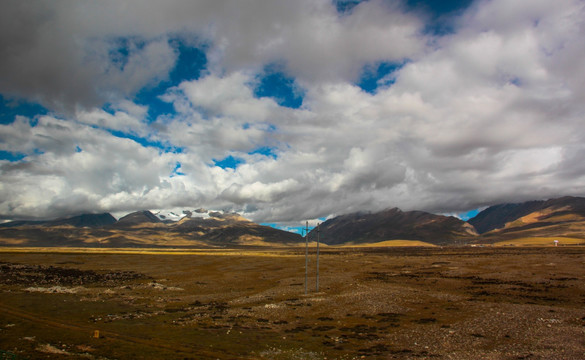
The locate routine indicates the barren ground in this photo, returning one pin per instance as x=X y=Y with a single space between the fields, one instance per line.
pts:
x=373 y=303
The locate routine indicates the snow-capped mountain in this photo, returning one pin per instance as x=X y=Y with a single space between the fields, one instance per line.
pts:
x=175 y=215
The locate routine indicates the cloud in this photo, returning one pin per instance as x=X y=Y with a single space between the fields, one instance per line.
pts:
x=73 y=167
x=316 y=43
x=129 y=121
x=65 y=54
x=489 y=113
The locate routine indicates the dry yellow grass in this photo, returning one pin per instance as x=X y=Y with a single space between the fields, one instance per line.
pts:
x=393 y=243
x=565 y=217
x=10 y=241
x=540 y=241
x=145 y=251
x=539 y=215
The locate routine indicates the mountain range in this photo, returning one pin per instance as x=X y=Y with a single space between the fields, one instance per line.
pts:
x=562 y=218
x=144 y=229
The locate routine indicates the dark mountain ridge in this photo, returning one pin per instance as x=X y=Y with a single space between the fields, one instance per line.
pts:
x=83 y=220
x=137 y=218
x=394 y=224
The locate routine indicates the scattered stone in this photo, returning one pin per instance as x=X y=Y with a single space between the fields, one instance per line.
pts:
x=56 y=290
x=50 y=349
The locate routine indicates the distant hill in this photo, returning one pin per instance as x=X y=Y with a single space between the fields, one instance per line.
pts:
x=138 y=218
x=84 y=220
x=394 y=224
x=497 y=216
x=555 y=217
x=232 y=229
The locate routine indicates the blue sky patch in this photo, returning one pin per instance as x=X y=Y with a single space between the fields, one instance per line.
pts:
x=468 y=215
x=11 y=156
x=266 y=151
x=9 y=108
x=441 y=13
x=147 y=142
x=228 y=162
x=191 y=63
x=294 y=229
x=275 y=84
x=176 y=170
x=345 y=7
x=438 y=8
x=372 y=74
x=109 y=109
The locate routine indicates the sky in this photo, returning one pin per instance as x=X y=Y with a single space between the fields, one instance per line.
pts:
x=287 y=111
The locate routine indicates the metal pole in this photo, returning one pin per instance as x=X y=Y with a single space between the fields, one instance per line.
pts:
x=306 y=256
x=318 y=233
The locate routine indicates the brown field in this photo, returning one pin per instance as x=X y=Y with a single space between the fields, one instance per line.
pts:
x=373 y=303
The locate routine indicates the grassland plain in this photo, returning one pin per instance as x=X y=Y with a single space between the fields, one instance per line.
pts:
x=374 y=303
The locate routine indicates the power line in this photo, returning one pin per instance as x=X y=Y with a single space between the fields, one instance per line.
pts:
x=306 y=257
x=306 y=229
x=318 y=238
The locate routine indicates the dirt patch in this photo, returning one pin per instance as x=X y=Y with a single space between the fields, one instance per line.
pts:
x=36 y=275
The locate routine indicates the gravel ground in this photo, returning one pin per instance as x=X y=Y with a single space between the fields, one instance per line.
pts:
x=451 y=303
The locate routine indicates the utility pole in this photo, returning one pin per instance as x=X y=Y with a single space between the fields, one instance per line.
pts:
x=306 y=257
x=318 y=236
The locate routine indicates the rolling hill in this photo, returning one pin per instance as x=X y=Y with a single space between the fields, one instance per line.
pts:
x=561 y=217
